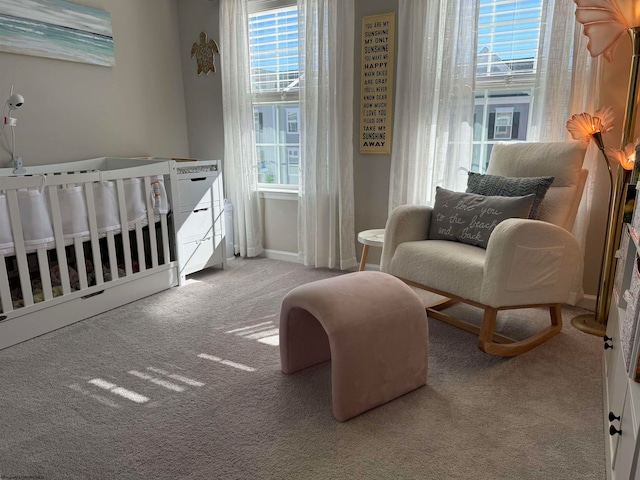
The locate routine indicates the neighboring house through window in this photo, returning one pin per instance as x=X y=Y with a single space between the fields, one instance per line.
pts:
x=273 y=44
x=508 y=34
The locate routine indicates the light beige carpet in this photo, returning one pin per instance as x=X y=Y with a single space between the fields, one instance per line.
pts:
x=186 y=385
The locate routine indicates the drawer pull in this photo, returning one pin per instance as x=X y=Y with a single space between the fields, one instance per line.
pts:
x=199 y=179
x=201 y=210
x=614 y=431
x=606 y=339
x=612 y=417
x=607 y=345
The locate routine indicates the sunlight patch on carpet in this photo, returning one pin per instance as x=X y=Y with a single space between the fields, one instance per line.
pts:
x=175 y=376
x=265 y=332
x=99 y=398
x=157 y=381
x=115 y=389
x=229 y=363
x=251 y=328
x=273 y=340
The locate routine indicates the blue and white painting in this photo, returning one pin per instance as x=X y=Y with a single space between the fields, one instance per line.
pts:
x=56 y=29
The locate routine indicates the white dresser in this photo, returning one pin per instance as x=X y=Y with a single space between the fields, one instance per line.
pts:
x=621 y=391
x=199 y=216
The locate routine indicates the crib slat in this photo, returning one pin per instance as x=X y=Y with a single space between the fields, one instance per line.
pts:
x=81 y=266
x=5 y=290
x=142 y=263
x=113 y=259
x=45 y=277
x=165 y=238
x=124 y=226
x=151 y=222
x=93 y=232
x=21 y=254
x=61 y=252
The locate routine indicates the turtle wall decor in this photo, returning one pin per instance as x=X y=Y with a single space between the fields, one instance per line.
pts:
x=203 y=53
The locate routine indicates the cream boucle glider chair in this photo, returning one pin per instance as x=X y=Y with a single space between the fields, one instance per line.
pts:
x=527 y=262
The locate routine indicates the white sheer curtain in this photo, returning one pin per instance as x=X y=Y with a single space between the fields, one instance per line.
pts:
x=326 y=235
x=433 y=124
x=240 y=165
x=566 y=83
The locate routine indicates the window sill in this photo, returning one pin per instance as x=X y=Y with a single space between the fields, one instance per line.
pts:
x=278 y=194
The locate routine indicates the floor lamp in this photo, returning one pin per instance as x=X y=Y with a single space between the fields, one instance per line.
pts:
x=618 y=16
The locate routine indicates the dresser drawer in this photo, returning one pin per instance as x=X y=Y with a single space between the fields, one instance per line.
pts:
x=196 y=192
x=196 y=224
x=201 y=253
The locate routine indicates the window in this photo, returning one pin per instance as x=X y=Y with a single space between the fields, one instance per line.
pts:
x=292 y=120
x=503 y=123
x=273 y=44
x=508 y=33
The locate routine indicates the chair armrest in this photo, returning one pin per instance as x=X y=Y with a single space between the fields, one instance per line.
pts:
x=407 y=223
x=529 y=262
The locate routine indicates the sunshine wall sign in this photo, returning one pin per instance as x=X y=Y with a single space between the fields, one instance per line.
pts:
x=376 y=89
x=57 y=29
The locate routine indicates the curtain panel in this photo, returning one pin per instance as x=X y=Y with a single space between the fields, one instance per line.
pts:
x=240 y=163
x=433 y=126
x=566 y=83
x=326 y=231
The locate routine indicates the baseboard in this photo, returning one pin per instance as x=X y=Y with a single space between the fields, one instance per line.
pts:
x=281 y=255
x=372 y=266
x=588 y=302
x=293 y=257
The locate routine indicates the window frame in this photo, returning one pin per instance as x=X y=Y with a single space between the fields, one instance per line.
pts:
x=282 y=99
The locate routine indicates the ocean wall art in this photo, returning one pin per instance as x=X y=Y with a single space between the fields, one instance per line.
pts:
x=57 y=29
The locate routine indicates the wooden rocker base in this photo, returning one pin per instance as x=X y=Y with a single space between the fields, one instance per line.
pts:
x=489 y=341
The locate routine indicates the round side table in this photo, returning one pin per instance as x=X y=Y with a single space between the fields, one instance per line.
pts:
x=370 y=238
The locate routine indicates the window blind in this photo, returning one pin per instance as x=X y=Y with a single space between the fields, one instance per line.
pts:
x=508 y=33
x=273 y=44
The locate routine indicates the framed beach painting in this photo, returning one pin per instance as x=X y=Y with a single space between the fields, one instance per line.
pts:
x=57 y=29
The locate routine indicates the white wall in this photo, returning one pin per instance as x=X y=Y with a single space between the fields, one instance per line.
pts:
x=203 y=93
x=75 y=111
x=370 y=172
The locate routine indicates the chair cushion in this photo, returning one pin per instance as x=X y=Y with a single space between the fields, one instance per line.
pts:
x=561 y=160
x=442 y=265
x=496 y=185
x=470 y=218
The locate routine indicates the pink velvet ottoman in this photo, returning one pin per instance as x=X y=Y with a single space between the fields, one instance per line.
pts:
x=371 y=326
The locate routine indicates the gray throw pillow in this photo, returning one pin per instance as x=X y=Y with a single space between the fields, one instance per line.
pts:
x=470 y=218
x=496 y=185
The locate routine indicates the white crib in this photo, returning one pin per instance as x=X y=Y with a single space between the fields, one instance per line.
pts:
x=80 y=238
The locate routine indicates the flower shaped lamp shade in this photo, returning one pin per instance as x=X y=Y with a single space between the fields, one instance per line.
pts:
x=605 y=22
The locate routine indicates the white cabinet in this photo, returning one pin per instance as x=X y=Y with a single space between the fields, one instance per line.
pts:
x=199 y=216
x=621 y=391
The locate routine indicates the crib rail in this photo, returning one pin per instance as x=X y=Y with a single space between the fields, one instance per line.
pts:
x=80 y=247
